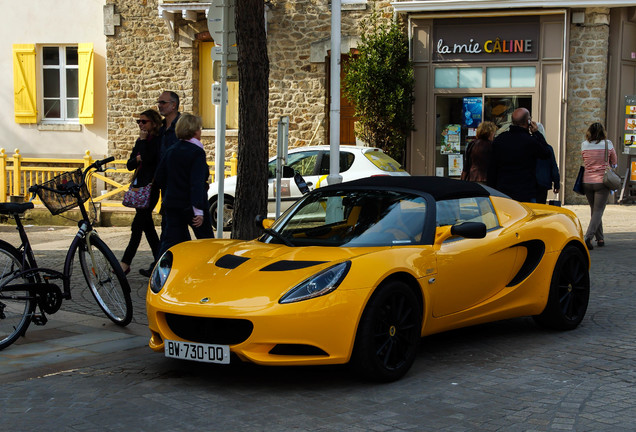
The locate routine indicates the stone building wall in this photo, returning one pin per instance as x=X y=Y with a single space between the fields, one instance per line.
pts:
x=143 y=60
x=298 y=37
x=587 y=88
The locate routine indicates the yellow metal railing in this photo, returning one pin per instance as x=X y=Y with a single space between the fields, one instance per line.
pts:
x=18 y=173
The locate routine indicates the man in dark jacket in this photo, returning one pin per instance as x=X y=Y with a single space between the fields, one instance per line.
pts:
x=514 y=158
x=168 y=104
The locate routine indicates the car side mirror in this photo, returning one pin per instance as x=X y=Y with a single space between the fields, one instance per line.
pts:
x=262 y=222
x=473 y=230
x=301 y=183
x=288 y=172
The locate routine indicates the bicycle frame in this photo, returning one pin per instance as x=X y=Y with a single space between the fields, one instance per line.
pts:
x=33 y=286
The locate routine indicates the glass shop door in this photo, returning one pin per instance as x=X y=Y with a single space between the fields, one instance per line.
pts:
x=457 y=118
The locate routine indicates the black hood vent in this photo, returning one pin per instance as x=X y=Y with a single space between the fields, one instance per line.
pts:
x=291 y=265
x=230 y=261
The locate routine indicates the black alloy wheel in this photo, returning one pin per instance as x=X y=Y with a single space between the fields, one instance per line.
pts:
x=569 y=292
x=389 y=333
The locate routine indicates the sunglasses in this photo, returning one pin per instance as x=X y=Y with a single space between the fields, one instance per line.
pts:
x=142 y=121
x=162 y=102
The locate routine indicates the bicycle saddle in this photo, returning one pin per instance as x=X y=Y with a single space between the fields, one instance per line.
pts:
x=15 y=208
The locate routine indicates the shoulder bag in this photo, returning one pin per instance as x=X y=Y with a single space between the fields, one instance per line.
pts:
x=137 y=197
x=611 y=180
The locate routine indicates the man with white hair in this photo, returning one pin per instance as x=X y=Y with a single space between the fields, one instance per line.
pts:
x=514 y=158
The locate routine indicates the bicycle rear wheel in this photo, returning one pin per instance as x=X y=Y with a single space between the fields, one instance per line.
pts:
x=16 y=307
x=106 y=280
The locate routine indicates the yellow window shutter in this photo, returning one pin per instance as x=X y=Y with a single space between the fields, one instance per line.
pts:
x=86 y=86
x=24 y=85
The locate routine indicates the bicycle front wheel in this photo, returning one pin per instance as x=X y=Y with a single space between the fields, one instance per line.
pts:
x=16 y=307
x=106 y=280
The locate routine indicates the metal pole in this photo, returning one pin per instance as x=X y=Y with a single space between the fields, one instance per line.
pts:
x=334 y=116
x=281 y=157
x=219 y=162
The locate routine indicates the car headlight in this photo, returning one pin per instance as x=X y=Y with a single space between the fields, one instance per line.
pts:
x=160 y=272
x=317 y=285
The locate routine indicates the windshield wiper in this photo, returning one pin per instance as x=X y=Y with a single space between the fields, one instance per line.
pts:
x=279 y=236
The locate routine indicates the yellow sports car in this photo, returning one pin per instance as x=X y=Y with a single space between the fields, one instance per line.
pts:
x=359 y=272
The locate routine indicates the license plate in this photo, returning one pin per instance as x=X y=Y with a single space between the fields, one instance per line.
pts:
x=197 y=351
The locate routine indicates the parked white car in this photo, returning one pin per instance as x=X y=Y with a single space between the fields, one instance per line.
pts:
x=313 y=164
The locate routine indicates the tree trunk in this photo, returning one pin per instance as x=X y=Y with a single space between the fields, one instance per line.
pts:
x=253 y=143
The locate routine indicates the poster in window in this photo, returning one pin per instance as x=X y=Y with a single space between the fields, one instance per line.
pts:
x=451 y=139
x=629 y=139
x=630 y=124
x=473 y=106
x=455 y=165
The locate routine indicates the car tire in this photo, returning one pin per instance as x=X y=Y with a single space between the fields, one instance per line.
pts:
x=228 y=212
x=389 y=333
x=569 y=292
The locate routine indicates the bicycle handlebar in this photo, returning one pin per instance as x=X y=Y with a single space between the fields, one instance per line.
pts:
x=97 y=165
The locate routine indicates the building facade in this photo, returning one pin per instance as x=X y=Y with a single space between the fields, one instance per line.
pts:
x=165 y=45
x=53 y=79
x=570 y=63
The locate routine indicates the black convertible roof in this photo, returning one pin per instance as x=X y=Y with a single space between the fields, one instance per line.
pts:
x=441 y=188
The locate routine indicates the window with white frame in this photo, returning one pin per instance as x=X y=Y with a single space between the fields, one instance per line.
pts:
x=60 y=78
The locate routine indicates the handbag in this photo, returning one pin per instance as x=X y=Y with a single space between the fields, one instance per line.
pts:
x=611 y=180
x=578 y=184
x=137 y=197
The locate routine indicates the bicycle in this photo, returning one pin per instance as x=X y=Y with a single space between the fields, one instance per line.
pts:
x=26 y=288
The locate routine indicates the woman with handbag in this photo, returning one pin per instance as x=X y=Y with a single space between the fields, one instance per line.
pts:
x=598 y=156
x=143 y=160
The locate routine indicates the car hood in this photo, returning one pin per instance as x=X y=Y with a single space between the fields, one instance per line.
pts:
x=245 y=274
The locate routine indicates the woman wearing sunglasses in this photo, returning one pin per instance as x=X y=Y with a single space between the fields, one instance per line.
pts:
x=143 y=160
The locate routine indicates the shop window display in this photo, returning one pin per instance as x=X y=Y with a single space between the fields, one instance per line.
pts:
x=456 y=124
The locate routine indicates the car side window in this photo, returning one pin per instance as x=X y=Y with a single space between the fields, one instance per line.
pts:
x=346 y=160
x=271 y=169
x=303 y=162
x=475 y=209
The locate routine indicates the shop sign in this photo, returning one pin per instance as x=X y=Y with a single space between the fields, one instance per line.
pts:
x=489 y=40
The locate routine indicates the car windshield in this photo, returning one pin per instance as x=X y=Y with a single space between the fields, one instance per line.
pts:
x=353 y=219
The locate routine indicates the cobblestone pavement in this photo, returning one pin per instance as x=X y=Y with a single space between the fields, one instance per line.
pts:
x=504 y=376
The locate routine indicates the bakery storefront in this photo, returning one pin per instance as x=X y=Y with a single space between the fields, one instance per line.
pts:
x=481 y=67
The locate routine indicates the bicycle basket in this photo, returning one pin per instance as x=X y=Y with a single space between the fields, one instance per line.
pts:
x=58 y=202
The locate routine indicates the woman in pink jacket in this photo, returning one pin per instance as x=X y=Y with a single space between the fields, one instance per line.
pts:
x=595 y=160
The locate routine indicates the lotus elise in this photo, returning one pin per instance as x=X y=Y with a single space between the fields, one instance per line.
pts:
x=359 y=272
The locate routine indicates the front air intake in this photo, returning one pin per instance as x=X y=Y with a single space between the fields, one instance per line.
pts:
x=218 y=331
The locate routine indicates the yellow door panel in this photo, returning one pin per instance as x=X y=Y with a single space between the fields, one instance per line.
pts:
x=491 y=263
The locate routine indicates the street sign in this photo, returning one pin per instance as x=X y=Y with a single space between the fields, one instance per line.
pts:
x=216 y=28
x=216 y=94
x=232 y=71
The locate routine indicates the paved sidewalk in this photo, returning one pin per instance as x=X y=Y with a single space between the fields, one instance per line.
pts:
x=87 y=374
